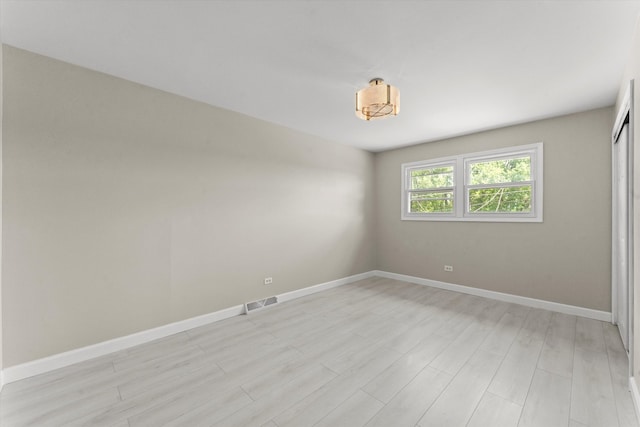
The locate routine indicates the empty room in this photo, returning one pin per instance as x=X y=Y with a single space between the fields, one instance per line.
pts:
x=319 y=213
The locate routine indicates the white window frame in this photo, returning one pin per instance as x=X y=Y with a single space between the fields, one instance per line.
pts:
x=434 y=164
x=461 y=187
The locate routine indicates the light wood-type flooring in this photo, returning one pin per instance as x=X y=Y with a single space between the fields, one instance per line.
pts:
x=377 y=352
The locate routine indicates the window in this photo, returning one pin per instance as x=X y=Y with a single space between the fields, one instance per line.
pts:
x=498 y=185
x=431 y=189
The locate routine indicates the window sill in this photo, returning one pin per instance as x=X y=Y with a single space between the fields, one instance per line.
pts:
x=472 y=219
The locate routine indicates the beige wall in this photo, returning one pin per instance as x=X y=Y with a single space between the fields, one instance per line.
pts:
x=632 y=72
x=127 y=208
x=565 y=259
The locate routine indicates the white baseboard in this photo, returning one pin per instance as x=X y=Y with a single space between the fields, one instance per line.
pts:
x=61 y=360
x=529 y=302
x=635 y=396
x=82 y=354
x=324 y=286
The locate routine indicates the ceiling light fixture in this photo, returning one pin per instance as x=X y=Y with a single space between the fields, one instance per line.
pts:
x=377 y=101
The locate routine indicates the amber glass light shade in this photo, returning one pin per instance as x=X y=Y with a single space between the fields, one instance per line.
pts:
x=377 y=101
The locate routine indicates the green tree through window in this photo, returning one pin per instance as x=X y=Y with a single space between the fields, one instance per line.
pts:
x=432 y=190
x=497 y=185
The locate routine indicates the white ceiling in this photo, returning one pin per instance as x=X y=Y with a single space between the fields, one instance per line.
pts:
x=461 y=66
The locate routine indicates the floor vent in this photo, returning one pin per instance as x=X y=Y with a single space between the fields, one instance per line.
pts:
x=257 y=305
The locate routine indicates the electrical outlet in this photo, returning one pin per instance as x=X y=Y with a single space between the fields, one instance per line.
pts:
x=268 y=280
x=448 y=268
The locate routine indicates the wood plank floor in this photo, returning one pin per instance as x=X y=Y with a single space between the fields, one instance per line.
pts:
x=377 y=352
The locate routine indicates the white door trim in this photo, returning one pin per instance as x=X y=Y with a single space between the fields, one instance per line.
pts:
x=625 y=111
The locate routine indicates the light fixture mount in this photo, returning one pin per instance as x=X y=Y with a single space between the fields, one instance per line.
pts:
x=377 y=101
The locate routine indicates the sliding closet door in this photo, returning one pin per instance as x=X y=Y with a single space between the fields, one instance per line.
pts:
x=620 y=231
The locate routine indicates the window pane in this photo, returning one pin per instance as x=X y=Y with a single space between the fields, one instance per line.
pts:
x=434 y=202
x=432 y=178
x=499 y=171
x=504 y=199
